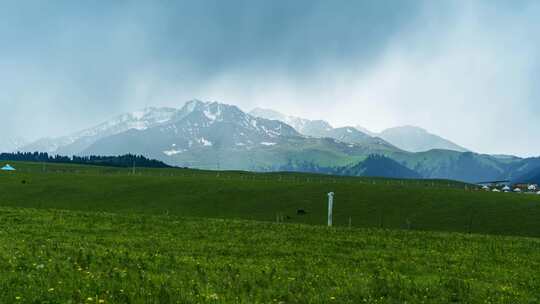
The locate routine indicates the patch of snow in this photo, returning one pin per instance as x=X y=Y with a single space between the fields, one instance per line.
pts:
x=205 y=142
x=173 y=152
x=240 y=144
x=265 y=143
x=210 y=115
x=349 y=131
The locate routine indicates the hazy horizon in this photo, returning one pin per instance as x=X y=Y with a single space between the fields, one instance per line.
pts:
x=464 y=70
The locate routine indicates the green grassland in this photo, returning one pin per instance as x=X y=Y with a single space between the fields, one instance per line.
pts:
x=51 y=256
x=88 y=234
x=399 y=204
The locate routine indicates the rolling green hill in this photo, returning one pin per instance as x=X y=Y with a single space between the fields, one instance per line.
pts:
x=416 y=204
x=467 y=166
x=378 y=165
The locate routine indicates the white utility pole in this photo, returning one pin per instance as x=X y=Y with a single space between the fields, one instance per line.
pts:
x=330 y=206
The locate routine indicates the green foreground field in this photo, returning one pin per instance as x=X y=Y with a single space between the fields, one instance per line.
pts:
x=381 y=203
x=51 y=256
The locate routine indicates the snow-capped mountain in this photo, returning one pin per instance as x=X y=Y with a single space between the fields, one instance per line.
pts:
x=198 y=132
x=408 y=138
x=321 y=129
x=79 y=141
x=304 y=126
x=211 y=135
x=352 y=135
x=11 y=144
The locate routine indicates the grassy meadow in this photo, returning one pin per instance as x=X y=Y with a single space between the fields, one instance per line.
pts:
x=84 y=234
x=51 y=256
x=364 y=202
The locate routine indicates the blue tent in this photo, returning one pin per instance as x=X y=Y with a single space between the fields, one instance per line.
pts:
x=8 y=167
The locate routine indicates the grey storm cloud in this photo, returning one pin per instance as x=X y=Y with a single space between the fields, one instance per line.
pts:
x=65 y=65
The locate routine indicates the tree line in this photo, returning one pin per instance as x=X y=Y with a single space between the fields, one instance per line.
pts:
x=127 y=160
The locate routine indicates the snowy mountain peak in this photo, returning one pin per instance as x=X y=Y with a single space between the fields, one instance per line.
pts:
x=302 y=125
x=212 y=110
x=203 y=114
x=198 y=128
x=76 y=142
x=193 y=104
x=138 y=120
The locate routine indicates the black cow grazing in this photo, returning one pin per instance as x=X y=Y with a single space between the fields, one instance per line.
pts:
x=23 y=182
x=301 y=212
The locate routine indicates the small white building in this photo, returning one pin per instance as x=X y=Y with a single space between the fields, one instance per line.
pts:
x=538 y=192
x=506 y=188
x=486 y=188
x=532 y=188
x=517 y=190
x=496 y=190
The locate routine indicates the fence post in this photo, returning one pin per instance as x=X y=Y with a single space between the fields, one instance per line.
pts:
x=330 y=207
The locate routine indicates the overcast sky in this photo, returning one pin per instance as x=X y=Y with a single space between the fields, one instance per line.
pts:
x=467 y=70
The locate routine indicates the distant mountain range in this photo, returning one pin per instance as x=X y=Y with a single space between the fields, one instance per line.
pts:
x=212 y=135
x=78 y=142
x=408 y=138
x=323 y=129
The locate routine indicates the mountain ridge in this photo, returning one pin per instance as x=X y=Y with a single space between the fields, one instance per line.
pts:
x=212 y=135
x=321 y=129
x=408 y=138
x=78 y=141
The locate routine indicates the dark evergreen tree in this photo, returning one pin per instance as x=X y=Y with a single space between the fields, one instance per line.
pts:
x=125 y=161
